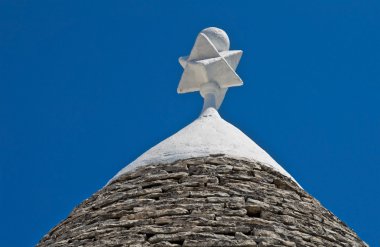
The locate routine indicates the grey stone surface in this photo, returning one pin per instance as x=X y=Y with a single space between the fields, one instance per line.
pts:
x=211 y=201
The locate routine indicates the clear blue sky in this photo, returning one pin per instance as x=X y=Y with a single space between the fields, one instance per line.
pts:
x=87 y=86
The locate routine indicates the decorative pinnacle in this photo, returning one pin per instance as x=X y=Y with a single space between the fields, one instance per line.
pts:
x=210 y=67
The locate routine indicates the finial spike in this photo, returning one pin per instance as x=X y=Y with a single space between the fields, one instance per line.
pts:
x=210 y=67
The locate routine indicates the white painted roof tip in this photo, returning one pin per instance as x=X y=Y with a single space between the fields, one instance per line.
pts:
x=208 y=135
x=210 y=112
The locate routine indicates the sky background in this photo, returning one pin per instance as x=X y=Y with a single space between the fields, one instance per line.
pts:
x=88 y=86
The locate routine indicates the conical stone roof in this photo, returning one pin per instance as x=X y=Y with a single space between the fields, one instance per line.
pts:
x=207 y=185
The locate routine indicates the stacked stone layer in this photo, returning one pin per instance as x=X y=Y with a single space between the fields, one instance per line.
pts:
x=211 y=201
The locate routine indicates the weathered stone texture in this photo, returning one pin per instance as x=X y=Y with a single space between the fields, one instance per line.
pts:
x=212 y=201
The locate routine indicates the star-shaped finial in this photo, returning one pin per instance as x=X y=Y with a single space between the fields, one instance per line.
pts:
x=210 y=67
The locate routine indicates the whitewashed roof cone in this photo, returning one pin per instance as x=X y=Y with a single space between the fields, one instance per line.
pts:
x=210 y=69
x=207 y=135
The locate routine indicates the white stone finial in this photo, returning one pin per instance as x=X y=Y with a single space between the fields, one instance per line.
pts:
x=210 y=67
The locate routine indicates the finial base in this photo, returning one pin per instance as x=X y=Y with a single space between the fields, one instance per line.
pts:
x=210 y=92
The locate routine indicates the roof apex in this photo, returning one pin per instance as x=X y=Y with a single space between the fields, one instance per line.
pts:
x=208 y=135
